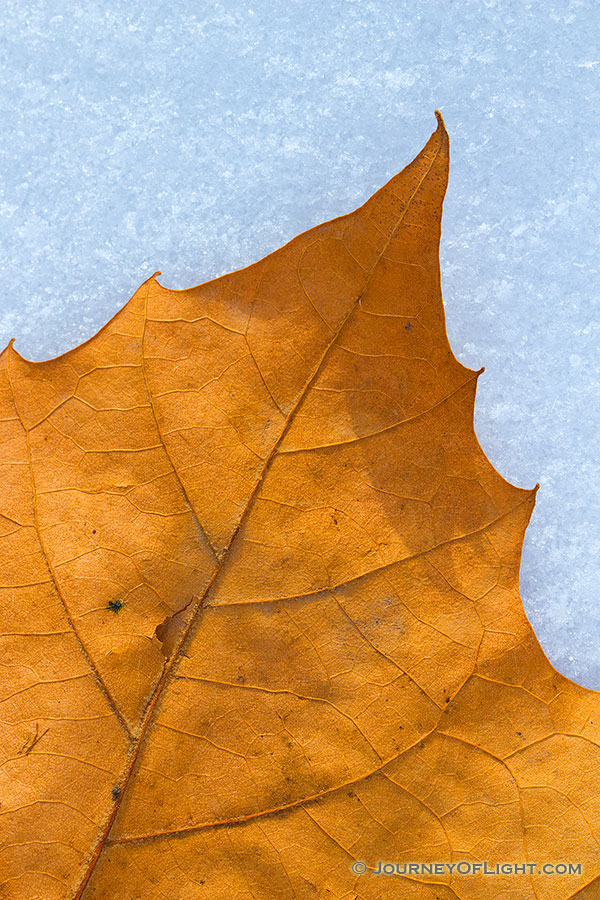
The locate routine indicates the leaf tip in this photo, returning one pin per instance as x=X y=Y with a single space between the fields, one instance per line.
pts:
x=10 y=348
x=152 y=277
x=440 y=120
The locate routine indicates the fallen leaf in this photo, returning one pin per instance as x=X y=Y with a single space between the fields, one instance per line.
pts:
x=260 y=615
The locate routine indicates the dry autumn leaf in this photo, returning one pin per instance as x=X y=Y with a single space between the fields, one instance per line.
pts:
x=260 y=609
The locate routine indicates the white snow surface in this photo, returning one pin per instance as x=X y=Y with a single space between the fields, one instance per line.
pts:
x=196 y=137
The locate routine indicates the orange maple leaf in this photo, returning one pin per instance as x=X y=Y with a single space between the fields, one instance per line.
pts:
x=261 y=628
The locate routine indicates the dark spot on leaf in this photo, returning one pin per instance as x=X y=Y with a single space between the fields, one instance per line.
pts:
x=116 y=791
x=408 y=326
x=115 y=605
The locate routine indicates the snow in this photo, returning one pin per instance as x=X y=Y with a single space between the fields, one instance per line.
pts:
x=194 y=138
